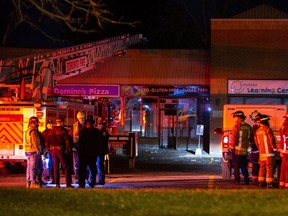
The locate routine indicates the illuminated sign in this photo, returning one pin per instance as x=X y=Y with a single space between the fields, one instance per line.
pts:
x=258 y=87
x=87 y=90
x=75 y=64
x=166 y=91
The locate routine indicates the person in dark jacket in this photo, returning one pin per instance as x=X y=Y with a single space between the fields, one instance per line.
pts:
x=48 y=168
x=103 y=149
x=59 y=143
x=87 y=151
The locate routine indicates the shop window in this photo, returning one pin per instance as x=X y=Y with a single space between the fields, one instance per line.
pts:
x=236 y=100
x=262 y=100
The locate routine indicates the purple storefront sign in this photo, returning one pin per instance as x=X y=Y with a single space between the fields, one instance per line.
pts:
x=165 y=91
x=93 y=90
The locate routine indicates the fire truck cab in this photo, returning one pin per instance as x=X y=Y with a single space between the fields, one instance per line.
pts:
x=275 y=112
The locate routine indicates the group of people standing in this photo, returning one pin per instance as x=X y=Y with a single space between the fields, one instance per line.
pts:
x=83 y=150
x=261 y=140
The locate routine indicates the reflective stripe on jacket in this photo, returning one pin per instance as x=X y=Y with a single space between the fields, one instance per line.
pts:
x=265 y=141
x=241 y=137
x=284 y=138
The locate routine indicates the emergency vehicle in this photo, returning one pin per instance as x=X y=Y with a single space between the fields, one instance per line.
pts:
x=14 y=118
x=275 y=113
x=26 y=89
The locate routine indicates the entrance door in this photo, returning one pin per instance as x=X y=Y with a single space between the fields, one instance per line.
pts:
x=177 y=123
x=187 y=123
x=168 y=126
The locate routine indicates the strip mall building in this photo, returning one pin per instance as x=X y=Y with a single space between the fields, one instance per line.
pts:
x=176 y=97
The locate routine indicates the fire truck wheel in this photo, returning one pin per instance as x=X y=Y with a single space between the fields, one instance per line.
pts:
x=2 y=164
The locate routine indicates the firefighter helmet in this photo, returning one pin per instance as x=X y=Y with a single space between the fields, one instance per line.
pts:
x=81 y=115
x=101 y=120
x=254 y=116
x=264 y=119
x=33 y=119
x=257 y=117
x=239 y=114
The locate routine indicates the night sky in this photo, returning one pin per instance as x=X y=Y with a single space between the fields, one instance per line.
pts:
x=167 y=24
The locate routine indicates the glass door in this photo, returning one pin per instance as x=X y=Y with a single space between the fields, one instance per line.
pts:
x=177 y=123
x=168 y=124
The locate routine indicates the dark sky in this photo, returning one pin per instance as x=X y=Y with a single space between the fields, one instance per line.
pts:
x=170 y=24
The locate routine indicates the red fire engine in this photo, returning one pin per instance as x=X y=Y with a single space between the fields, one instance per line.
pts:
x=26 y=89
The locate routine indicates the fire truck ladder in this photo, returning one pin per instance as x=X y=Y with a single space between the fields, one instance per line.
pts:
x=55 y=65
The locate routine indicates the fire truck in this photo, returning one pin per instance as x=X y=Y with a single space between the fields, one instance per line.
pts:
x=14 y=118
x=26 y=89
x=275 y=112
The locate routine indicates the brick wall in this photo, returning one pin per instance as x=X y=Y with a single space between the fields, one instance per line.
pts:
x=245 y=49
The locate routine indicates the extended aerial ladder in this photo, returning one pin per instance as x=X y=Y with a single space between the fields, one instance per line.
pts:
x=39 y=72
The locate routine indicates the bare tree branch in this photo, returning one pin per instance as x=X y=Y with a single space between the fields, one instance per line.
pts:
x=80 y=16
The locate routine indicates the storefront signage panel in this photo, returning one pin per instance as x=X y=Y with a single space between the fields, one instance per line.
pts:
x=86 y=90
x=165 y=91
x=258 y=87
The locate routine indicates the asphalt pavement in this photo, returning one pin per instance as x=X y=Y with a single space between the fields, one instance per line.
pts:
x=155 y=159
x=154 y=167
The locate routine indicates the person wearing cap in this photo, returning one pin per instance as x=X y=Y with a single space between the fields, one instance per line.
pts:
x=266 y=143
x=283 y=180
x=78 y=128
x=103 y=149
x=59 y=143
x=241 y=138
x=48 y=172
x=33 y=149
x=254 y=151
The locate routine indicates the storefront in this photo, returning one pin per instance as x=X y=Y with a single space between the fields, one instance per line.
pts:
x=169 y=114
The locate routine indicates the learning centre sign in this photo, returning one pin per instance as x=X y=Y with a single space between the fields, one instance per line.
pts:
x=258 y=87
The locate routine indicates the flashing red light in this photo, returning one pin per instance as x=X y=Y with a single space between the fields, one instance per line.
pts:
x=225 y=142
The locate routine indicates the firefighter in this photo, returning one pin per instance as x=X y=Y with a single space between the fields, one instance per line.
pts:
x=59 y=143
x=103 y=149
x=241 y=138
x=254 y=152
x=266 y=144
x=48 y=164
x=33 y=149
x=78 y=128
x=283 y=181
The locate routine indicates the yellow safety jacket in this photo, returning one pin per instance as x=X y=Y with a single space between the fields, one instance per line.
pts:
x=32 y=141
